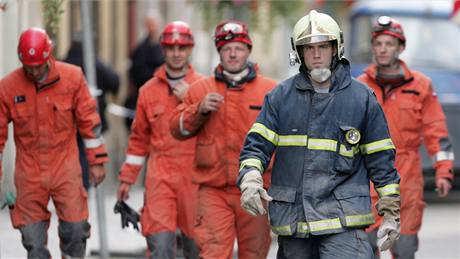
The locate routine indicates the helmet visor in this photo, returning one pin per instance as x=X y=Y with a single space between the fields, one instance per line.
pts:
x=315 y=39
x=176 y=38
x=229 y=31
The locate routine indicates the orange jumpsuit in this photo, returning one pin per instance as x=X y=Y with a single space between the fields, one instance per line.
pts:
x=414 y=115
x=220 y=137
x=170 y=196
x=45 y=117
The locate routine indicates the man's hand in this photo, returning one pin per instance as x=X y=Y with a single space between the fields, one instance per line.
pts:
x=252 y=193
x=180 y=89
x=96 y=174
x=443 y=187
x=211 y=102
x=123 y=191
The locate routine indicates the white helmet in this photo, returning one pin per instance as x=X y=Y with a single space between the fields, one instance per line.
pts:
x=313 y=28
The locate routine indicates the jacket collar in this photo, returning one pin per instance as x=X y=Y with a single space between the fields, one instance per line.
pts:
x=252 y=74
x=371 y=71
x=160 y=73
x=53 y=75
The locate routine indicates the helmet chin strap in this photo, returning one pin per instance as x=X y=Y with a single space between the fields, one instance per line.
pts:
x=320 y=75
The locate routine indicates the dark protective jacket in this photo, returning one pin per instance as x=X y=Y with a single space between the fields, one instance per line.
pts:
x=326 y=146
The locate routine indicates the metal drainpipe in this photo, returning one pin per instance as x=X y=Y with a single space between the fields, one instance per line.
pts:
x=90 y=72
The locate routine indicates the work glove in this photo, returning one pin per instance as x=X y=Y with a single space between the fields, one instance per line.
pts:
x=10 y=200
x=128 y=215
x=252 y=193
x=388 y=233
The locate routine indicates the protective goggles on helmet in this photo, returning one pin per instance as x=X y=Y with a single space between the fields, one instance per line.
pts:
x=176 y=38
x=231 y=31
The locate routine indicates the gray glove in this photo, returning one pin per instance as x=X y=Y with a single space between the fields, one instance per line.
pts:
x=388 y=233
x=252 y=193
x=10 y=200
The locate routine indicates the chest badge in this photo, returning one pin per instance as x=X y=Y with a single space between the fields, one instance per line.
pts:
x=352 y=136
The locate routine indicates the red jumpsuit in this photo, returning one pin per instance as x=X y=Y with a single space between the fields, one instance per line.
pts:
x=46 y=117
x=414 y=115
x=170 y=196
x=220 y=137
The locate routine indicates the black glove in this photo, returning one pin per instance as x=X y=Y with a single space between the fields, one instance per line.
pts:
x=128 y=215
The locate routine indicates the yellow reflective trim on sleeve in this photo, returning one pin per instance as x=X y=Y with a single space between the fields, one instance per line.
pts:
x=278 y=140
x=293 y=140
x=282 y=230
x=326 y=224
x=348 y=153
x=265 y=132
x=377 y=146
x=254 y=162
x=390 y=189
x=359 y=220
x=322 y=144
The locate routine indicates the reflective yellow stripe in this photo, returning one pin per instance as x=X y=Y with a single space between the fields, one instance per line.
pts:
x=326 y=224
x=359 y=220
x=265 y=132
x=278 y=140
x=282 y=230
x=348 y=153
x=302 y=227
x=293 y=140
x=389 y=189
x=322 y=144
x=252 y=162
x=377 y=146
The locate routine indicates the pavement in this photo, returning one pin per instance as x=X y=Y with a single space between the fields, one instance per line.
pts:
x=439 y=236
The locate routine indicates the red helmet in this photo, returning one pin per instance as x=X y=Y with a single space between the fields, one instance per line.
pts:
x=177 y=33
x=34 y=47
x=389 y=26
x=229 y=31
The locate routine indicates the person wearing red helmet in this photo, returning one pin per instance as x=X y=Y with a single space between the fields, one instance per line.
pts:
x=170 y=196
x=47 y=101
x=219 y=111
x=414 y=114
